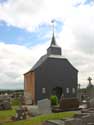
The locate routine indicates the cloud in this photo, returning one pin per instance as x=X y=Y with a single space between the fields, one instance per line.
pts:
x=82 y=27
x=77 y=41
x=30 y=14
x=21 y=13
x=15 y=60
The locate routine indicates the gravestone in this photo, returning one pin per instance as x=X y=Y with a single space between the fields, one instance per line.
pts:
x=73 y=121
x=91 y=102
x=33 y=110
x=90 y=89
x=86 y=119
x=44 y=106
x=90 y=124
x=5 y=102
x=54 y=122
x=22 y=113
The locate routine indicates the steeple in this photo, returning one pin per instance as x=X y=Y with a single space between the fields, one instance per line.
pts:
x=53 y=42
x=53 y=49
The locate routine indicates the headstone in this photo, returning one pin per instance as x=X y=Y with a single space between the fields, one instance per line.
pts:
x=90 y=124
x=22 y=113
x=54 y=122
x=91 y=102
x=86 y=119
x=5 y=102
x=33 y=110
x=73 y=121
x=6 y=105
x=44 y=106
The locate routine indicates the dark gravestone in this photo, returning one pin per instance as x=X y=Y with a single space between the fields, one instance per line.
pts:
x=69 y=104
x=5 y=102
x=6 y=105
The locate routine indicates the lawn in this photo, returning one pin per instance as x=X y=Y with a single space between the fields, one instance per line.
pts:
x=6 y=114
x=39 y=119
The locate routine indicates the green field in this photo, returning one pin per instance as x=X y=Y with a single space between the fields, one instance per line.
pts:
x=6 y=115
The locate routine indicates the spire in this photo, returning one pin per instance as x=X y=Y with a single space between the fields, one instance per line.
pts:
x=53 y=49
x=53 y=42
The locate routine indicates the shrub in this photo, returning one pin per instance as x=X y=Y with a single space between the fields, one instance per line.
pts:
x=15 y=102
x=54 y=100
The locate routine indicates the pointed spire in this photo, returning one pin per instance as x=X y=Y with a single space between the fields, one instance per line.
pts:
x=53 y=42
x=53 y=48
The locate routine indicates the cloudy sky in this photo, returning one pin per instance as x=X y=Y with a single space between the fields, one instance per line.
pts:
x=26 y=31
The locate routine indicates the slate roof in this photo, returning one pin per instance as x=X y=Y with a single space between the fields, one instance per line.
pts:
x=39 y=62
x=45 y=57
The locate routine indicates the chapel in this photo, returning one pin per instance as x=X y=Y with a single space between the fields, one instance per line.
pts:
x=52 y=74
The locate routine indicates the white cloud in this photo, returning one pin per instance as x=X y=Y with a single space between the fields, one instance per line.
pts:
x=78 y=41
x=15 y=60
x=30 y=14
x=76 y=37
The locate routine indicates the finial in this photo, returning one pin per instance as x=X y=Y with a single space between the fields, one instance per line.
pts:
x=53 y=22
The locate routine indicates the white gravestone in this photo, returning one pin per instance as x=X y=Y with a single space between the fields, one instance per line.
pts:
x=44 y=106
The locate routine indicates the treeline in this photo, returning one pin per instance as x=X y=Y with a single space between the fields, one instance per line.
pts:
x=11 y=91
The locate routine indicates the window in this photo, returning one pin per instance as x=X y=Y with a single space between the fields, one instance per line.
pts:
x=67 y=90
x=43 y=90
x=73 y=90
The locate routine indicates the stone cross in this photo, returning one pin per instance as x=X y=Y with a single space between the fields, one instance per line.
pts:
x=89 y=79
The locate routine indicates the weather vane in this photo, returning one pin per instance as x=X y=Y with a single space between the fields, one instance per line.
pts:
x=53 y=25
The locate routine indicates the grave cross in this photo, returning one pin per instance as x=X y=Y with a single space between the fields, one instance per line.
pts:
x=89 y=79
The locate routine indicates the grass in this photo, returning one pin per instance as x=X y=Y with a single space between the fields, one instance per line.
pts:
x=5 y=115
x=39 y=119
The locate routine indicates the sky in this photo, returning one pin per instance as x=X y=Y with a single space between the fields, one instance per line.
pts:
x=26 y=32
